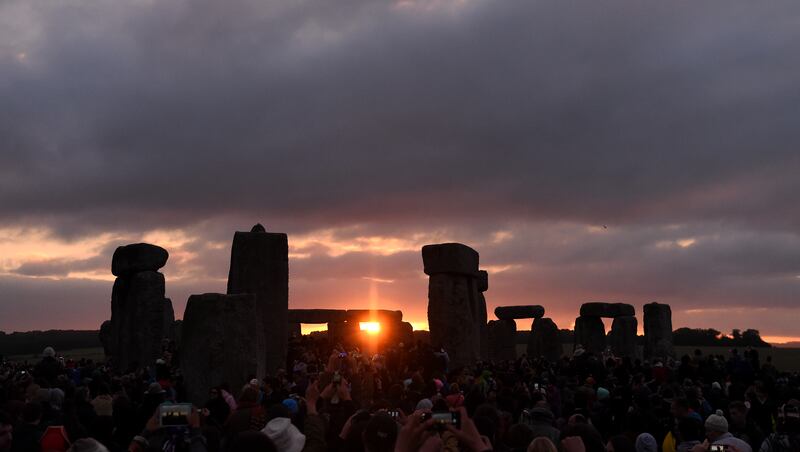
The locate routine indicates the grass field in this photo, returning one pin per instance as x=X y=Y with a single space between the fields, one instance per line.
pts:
x=95 y=353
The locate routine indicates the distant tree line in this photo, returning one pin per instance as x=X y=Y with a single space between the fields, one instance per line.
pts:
x=712 y=337
x=30 y=342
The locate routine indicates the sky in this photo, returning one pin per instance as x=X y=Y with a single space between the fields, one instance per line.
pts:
x=618 y=151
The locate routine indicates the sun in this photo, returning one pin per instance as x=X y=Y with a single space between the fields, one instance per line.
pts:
x=370 y=327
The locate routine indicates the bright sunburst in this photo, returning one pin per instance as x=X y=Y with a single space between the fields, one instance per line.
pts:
x=370 y=327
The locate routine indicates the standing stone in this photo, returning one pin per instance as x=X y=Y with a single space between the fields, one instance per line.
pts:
x=374 y=315
x=658 y=331
x=177 y=330
x=295 y=330
x=138 y=257
x=105 y=337
x=453 y=301
x=502 y=340
x=599 y=309
x=169 y=320
x=260 y=266
x=405 y=333
x=519 y=312
x=453 y=317
x=316 y=315
x=543 y=340
x=590 y=333
x=341 y=332
x=223 y=342
x=622 y=337
x=483 y=286
x=140 y=316
x=450 y=258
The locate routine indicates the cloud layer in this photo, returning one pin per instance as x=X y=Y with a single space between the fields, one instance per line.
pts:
x=622 y=150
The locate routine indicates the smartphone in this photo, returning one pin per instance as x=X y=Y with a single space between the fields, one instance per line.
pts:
x=174 y=414
x=441 y=419
x=337 y=377
x=536 y=386
x=718 y=448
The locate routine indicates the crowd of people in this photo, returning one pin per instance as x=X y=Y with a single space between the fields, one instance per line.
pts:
x=407 y=397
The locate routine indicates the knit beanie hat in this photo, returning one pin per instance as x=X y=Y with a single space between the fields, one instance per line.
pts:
x=646 y=443
x=424 y=404
x=717 y=423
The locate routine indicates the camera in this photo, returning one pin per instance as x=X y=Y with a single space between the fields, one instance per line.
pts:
x=441 y=419
x=174 y=414
x=718 y=448
x=395 y=414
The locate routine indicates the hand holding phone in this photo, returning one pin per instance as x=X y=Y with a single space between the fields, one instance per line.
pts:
x=174 y=414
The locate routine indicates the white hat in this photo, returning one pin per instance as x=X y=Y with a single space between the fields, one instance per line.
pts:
x=284 y=435
x=717 y=423
x=87 y=445
x=424 y=404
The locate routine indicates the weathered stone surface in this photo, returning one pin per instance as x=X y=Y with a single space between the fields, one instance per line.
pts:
x=260 y=266
x=222 y=342
x=177 y=330
x=483 y=330
x=453 y=317
x=622 y=337
x=105 y=337
x=340 y=332
x=374 y=315
x=405 y=333
x=295 y=330
x=502 y=336
x=658 y=331
x=519 y=312
x=450 y=258
x=169 y=320
x=543 y=340
x=483 y=281
x=597 y=309
x=590 y=333
x=316 y=315
x=139 y=314
x=138 y=257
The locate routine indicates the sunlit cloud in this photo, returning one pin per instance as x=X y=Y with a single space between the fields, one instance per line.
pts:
x=378 y=280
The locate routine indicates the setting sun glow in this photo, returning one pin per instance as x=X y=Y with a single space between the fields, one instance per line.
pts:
x=370 y=327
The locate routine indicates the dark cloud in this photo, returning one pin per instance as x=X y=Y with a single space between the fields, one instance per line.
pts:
x=439 y=120
x=60 y=267
x=177 y=113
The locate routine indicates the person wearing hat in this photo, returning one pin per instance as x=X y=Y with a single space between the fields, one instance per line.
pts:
x=49 y=368
x=87 y=445
x=284 y=435
x=717 y=433
x=540 y=419
x=645 y=442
